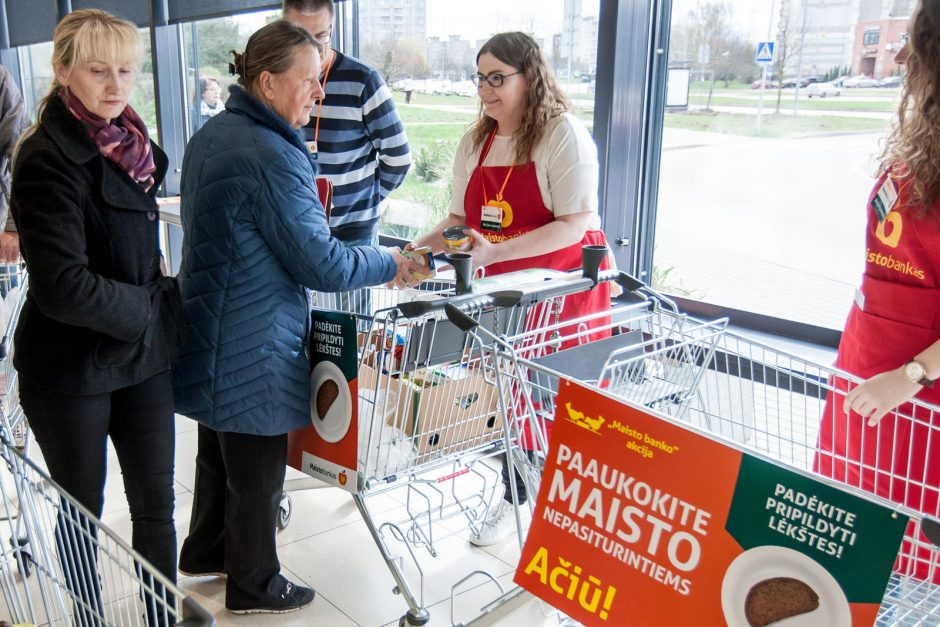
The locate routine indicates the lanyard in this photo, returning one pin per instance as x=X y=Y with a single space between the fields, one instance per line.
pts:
x=486 y=150
x=326 y=77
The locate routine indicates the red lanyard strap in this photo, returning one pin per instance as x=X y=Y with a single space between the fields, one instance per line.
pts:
x=326 y=77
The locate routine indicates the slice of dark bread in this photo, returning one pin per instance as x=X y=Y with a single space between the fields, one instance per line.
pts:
x=775 y=599
x=326 y=395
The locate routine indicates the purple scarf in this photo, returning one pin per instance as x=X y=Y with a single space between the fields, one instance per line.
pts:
x=124 y=140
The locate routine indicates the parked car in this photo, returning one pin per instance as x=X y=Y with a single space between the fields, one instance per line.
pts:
x=838 y=81
x=791 y=82
x=890 y=81
x=860 y=81
x=769 y=84
x=821 y=90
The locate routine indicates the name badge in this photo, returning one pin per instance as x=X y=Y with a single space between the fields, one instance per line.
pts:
x=312 y=147
x=491 y=218
x=885 y=199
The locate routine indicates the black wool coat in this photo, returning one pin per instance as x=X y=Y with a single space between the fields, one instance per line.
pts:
x=99 y=315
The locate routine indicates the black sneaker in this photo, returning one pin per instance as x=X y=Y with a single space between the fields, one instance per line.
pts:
x=291 y=599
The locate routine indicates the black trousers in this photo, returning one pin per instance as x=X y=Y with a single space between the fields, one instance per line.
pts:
x=72 y=433
x=520 y=483
x=239 y=481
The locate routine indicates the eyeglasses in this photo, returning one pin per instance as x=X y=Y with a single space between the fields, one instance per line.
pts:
x=325 y=37
x=905 y=38
x=494 y=80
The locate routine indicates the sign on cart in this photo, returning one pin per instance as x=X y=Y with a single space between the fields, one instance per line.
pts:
x=328 y=448
x=640 y=521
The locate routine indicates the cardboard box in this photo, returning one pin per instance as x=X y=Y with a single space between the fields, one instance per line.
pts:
x=445 y=410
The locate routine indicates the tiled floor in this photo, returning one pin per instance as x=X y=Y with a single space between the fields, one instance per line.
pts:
x=328 y=547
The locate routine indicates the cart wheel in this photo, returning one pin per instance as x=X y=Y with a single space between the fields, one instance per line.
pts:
x=25 y=563
x=415 y=618
x=284 y=511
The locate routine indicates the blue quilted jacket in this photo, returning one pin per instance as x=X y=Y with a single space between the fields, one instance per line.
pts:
x=254 y=236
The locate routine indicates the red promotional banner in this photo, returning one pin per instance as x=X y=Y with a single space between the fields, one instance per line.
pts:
x=639 y=521
x=328 y=448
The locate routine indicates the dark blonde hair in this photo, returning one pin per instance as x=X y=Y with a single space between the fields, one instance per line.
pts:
x=912 y=150
x=92 y=34
x=544 y=99
x=271 y=48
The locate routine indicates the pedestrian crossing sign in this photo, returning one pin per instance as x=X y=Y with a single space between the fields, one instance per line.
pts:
x=765 y=52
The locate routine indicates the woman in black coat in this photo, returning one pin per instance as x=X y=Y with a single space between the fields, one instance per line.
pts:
x=99 y=327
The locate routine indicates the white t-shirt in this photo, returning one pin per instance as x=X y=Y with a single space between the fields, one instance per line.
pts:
x=565 y=166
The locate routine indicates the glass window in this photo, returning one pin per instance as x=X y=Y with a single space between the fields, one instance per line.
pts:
x=426 y=51
x=762 y=194
x=871 y=37
x=36 y=73
x=206 y=56
x=37 y=76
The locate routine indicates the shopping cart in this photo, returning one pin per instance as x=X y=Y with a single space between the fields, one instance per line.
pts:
x=428 y=403
x=764 y=400
x=72 y=570
x=13 y=283
x=13 y=426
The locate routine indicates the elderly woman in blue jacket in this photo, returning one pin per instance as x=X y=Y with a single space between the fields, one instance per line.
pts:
x=255 y=235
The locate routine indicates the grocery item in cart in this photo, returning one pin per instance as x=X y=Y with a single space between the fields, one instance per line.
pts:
x=388 y=445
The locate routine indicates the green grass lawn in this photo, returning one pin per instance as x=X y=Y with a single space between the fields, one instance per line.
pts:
x=773 y=125
x=429 y=99
x=770 y=102
x=420 y=136
x=422 y=115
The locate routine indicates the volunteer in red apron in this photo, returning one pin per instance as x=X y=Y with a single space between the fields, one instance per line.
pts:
x=525 y=181
x=891 y=336
x=503 y=203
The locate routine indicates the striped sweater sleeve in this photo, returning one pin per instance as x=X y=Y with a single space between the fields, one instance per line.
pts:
x=386 y=132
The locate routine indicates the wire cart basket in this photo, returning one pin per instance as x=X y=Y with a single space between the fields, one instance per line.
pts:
x=761 y=399
x=69 y=569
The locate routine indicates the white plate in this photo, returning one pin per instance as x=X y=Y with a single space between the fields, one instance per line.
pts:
x=766 y=562
x=335 y=424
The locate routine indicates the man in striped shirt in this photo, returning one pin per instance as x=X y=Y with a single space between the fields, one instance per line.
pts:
x=357 y=135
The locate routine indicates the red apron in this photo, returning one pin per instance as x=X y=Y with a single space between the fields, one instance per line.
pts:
x=529 y=213
x=896 y=315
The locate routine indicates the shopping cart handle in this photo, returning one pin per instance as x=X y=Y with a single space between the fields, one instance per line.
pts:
x=931 y=529
x=461 y=319
x=628 y=282
x=467 y=302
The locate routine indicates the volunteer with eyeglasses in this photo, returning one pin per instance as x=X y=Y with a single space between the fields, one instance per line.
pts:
x=870 y=437
x=525 y=181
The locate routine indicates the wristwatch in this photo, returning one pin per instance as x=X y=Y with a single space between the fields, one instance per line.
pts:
x=916 y=373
